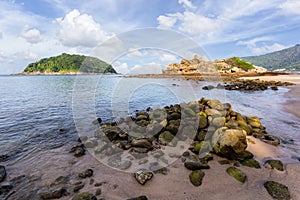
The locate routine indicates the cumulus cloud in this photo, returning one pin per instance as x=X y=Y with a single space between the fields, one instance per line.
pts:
x=78 y=29
x=197 y=24
x=149 y=68
x=168 y=58
x=136 y=53
x=189 y=22
x=120 y=67
x=26 y=55
x=186 y=3
x=268 y=48
x=258 y=45
x=290 y=7
x=31 y=35
x=166 y=22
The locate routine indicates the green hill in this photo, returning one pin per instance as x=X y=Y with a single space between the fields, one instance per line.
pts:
x=66 y=63
x=288 y=59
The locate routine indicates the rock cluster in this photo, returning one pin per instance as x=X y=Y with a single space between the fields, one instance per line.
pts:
x=204 y=127
x=248 y=85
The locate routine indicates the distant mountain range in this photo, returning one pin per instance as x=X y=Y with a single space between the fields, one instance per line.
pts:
x=66 y=63
x=286 y=59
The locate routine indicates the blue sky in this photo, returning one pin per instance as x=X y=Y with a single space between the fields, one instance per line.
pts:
x=33 y=29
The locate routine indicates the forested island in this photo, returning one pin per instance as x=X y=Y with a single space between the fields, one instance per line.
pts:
x=66 y=63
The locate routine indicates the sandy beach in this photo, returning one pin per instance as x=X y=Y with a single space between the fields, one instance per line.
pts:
x=293 y=104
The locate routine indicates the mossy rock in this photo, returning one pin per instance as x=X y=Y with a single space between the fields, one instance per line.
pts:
x=196 y=165
x=243 y=125
x=189 y=112
x=84 y=196
x=215 y=104
x=139 y=198
x=203 y=121
x=277 y=190
x=237 y=174
x=251 y=163
x=274 y=164
x=196 y=177
x=201 y=146
x=219 y=121
x=245 y=155
x=166 y=138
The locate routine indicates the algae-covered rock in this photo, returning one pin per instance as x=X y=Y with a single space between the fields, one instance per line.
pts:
x=274 y=164
x=237 y=174
x=277 y=190
x=139 y=198
x=219 y=121
x=215 y=104
x=254 y=122
x=201 y=146
x=84 y=196
x=196 y=177
x=245 y=155
x=203 y=122
x=243 y=125
x=196 y=165
x=229 y=142
x=251 y=163
x=166 y=138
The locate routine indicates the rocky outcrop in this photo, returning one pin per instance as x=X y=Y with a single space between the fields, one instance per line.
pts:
x=198 y=65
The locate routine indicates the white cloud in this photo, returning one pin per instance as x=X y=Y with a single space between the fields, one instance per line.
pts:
x=31 y=35
x=149 y=68
x=252 y=42
x=196 y=24
x=1 y=35
x=290 y=7
x=120 y=67
x=136 y=53
x=268 y=48
x=166 y=22
x=26 y=55
x=258 y=45
x=186 y=3
x=168 y=58
x=78 y=29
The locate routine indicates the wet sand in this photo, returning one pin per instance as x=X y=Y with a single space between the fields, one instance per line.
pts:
x=293 y=103
x=217 y=184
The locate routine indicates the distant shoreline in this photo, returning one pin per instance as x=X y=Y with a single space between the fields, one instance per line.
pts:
x=59 y=74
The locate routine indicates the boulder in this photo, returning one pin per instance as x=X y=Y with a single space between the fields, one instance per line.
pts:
x=274 y=164
x=196 y=165
x=229 y=142
x=202 y=146
x=142 y=176
x=277 y=190
x=139 y=198
x=2 y=173
x=237 y=174
x=166 y=138
x=84 y=196
x=196 y=177
x=251 y=163
x=203 y=122
x=219 y=121
x=215 y=104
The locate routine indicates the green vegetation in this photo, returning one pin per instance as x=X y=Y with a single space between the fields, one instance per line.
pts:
x=236 y=62
x=288 y=59
x=65 y=63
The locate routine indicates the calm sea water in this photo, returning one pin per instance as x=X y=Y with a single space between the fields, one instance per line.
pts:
x=34 y=108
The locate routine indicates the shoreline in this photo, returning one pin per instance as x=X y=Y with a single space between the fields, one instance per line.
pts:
x=293 y=95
